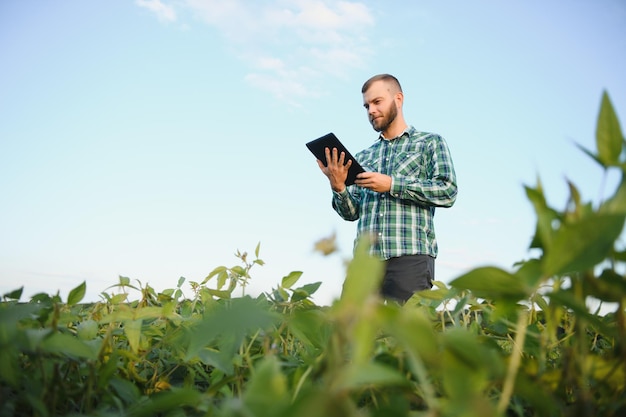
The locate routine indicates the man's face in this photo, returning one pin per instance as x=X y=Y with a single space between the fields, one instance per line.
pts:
x=380 y=105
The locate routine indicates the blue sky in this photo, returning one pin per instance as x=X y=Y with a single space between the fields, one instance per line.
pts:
x=153 y=139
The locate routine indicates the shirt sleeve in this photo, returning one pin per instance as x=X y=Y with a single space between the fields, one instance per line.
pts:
x=347 y=203
x=436 y=186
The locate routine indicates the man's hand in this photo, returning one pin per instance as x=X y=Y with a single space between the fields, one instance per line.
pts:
x=336 y=169
x=374 y=181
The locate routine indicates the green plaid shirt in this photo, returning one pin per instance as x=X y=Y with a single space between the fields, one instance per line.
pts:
x=422 y=178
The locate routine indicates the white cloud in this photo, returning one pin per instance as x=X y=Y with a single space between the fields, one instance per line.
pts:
x=288 y=45
x=283 y=89
x=340 y=16
x=162 y=11
x=270 y=63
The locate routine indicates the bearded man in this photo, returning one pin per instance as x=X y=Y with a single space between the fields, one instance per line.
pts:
x=409 y=174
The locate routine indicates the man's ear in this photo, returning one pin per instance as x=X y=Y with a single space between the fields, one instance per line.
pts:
x=399 y=97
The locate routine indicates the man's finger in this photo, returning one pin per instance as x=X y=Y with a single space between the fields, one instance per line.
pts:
x=327 y=151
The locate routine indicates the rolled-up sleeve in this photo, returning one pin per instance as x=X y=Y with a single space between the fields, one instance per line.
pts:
x=347 y=203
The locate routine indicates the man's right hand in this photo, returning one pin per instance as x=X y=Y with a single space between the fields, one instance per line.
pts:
x=336 y=169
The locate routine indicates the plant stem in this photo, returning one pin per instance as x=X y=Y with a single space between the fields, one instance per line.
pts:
x=514 y=363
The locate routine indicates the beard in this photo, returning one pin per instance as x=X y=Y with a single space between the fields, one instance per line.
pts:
x=381 y=124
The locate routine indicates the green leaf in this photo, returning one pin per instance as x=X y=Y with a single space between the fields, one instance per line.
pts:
x=118 y=298
x=68 y=345
x=590 y=154
x=222 y=276
x=291 y=279
x=219 y=293
x=13 y=313
x=239 y=270
x=10 y=369
x=125 y=389
x=163 y=402
x=87 y=330
x=537 y=395
x=439 y=294
x=14 y=295
x=216 y=359
x=236 y=318
x=491 y=283
x=568 y=299
x=311 y=327
x=132 y=329
x=256 y=250
x=414 y=330
x=620 y=256
x=545 y=217
x=530 y=273
x=470 y=350
x=467 y=365
x=219 y=269
x=541 y=302
x=609 y=286
x=582 y=245
x=609 y=138
x=371 y=373
x=305 y=292
x=617 y=203
x=148 y=313
x=77 y=294
x=364 y=276
x=267 y=388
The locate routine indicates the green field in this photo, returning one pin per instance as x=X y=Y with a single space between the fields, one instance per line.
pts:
x=490 y=343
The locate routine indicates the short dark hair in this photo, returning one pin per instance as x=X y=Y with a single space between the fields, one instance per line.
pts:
x=381 y=77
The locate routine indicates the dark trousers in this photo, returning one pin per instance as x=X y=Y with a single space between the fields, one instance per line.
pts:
x=405 y=275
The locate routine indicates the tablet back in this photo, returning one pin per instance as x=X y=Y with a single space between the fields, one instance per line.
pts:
x=318 y=146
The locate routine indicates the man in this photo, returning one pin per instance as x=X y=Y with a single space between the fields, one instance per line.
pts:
x=409 y=173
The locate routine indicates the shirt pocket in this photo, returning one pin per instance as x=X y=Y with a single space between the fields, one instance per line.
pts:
x=408 y=164
x=369 y=163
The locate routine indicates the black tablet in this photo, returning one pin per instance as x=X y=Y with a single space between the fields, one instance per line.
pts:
x=330 y=141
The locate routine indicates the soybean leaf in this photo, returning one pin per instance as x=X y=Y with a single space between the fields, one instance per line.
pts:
x=14 y=295
x=132 y=329
x=609 y=137
x=266 y=391
x=305 y=291
x=68 y=345
x=616 y=203
x=590 y=154
x=125 y=389
x=568 y=299
x=77 y=294
x=291 y=279
x=311 y=327
x=545 y=217
x=492 y=283
x=582 y=245
x=235 y=318
x=162 y=403
x=217 y=270
x=371 y=373
x=363 y=278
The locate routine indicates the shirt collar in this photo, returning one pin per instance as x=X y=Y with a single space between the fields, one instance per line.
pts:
x=405 y=132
